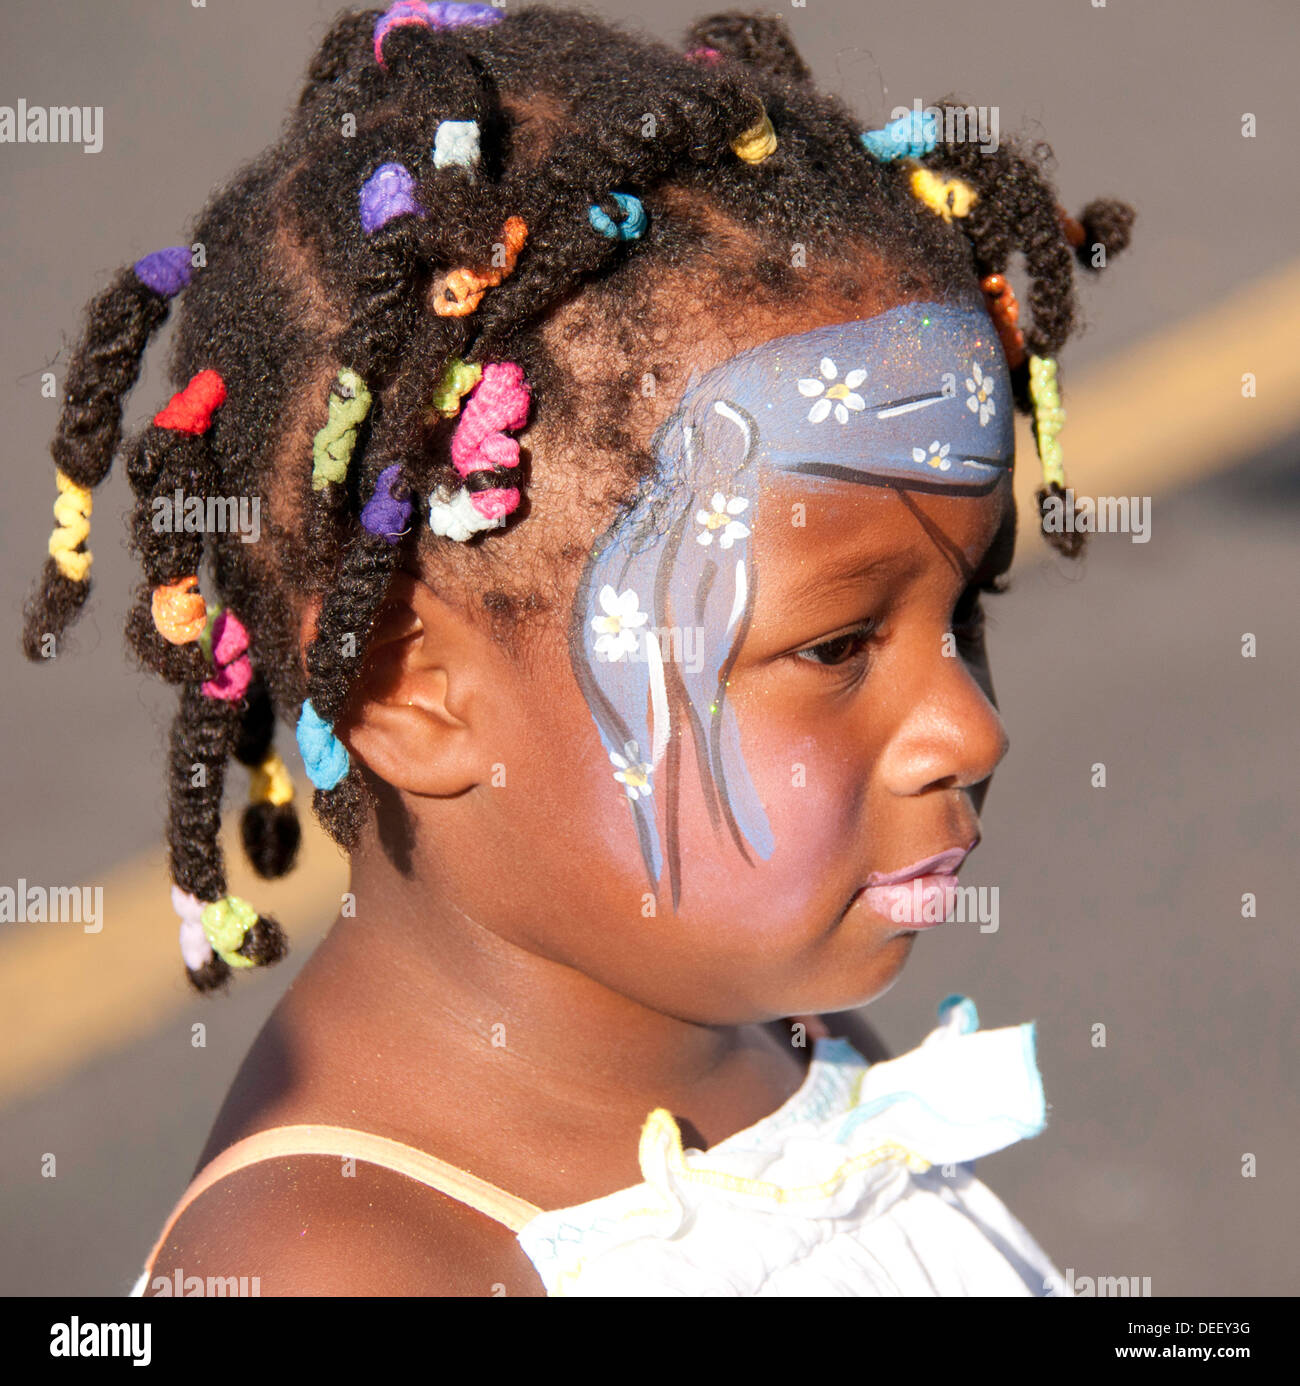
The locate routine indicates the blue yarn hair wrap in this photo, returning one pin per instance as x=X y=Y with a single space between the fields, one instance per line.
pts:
x=634 y=222
x=908 y=137
x=324 y=755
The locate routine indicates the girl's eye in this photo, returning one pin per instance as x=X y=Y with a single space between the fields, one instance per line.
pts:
x=840 y=649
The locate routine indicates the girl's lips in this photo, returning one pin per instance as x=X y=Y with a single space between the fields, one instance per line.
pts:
x=943 y=864
x=921 y=903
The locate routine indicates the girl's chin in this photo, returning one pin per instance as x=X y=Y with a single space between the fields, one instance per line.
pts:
x=863 y=985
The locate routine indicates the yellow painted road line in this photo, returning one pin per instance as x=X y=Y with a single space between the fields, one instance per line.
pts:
x=1160 y=415
x=67 y=996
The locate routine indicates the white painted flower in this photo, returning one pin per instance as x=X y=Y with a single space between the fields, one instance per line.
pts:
x=617 y=627
x=838 y=396
x=632 y=772
x=979 y=396
x=720 y=518
x=937 y=456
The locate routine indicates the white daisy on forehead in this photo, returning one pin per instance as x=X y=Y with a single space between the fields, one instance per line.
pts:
x=937 y=456
x=617 y=627
x=632 y=772
x=979 y=394
x=831 y=392
x=720 y=518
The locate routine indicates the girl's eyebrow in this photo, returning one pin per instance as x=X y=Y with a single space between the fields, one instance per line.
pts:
x=819 y=581
x=816 y=583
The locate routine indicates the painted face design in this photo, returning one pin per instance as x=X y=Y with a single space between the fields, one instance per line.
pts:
x=917 y=398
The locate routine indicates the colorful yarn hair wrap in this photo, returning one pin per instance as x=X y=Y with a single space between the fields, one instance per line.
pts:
x=631 y=228
x=703 y=55
x=324 y=755
x=190 y=410
x=455 y=143
x=463 y=289
x=499 y=401
x=1049 y=417
x=1070 y=228
x=227 y=643
x=270 y=783
x=438 y=15
x=1004 y=308
x=950 y=197
x=166 y=272
x=457 y=380
x=385 y=514
x=389 y=192
x=332 y=448
x=756 y=143
x=72 y=513
x=195 y=948
x=908 y=137
x=226 y=924
x=180 y=614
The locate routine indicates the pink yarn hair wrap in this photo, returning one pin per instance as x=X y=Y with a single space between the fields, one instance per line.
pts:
x=195 y=948
x=499 y=401
x=234 y=669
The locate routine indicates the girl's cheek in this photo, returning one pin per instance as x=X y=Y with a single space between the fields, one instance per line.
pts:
x=813 y=790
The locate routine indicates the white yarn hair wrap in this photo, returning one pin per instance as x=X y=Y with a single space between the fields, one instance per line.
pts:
x=453 y=515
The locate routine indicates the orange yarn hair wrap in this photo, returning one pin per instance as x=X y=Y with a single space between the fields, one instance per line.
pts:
x=1004 y=309
x=179 y=611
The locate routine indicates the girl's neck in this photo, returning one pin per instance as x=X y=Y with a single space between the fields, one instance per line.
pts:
x=459 y=1012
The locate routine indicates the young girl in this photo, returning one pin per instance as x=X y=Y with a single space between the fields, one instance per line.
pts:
x=632 y=436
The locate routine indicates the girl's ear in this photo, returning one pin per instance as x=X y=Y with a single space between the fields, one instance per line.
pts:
x=421 y=704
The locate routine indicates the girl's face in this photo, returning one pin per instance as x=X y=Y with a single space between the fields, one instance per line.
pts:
x=848 y=653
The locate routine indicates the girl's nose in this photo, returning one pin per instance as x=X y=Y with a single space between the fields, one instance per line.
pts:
x=950 y=735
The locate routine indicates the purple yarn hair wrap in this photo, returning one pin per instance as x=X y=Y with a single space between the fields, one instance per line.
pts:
x=440 y=15
x=383 y=514
x=389 y=192
x=166 y=272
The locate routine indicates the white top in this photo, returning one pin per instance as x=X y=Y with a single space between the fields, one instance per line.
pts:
x=857 y=1185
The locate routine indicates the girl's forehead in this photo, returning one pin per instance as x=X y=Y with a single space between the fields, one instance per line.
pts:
x=918 y=394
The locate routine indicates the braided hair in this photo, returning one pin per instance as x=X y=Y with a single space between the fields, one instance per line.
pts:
x=364 y=320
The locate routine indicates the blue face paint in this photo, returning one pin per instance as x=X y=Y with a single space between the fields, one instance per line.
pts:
x=917 y=398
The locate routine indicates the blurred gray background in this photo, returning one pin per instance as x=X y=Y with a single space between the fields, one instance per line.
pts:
x=1119 y=906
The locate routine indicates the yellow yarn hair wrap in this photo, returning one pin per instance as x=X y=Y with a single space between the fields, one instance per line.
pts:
x=226 y=924
x=72 y=511
x=757 y=142
x=179 y=611
x=950 y=197
x=270 y=782
x=1049 y=417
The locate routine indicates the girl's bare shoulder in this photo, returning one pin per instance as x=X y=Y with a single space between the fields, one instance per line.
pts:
x=305 y=1225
